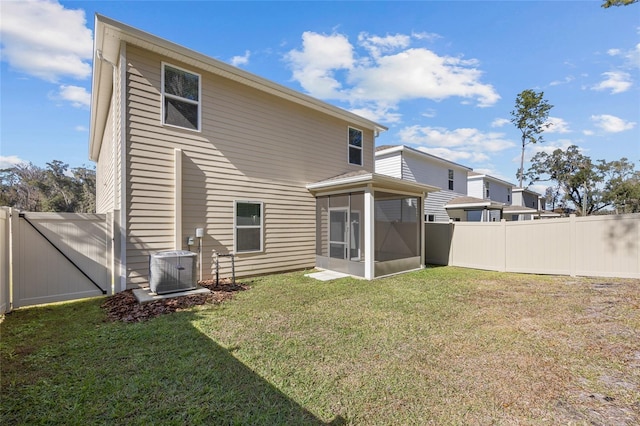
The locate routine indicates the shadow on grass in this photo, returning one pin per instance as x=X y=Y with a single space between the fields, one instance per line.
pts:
x=164 y=371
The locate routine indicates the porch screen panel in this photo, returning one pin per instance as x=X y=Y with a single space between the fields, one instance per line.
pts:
x=338 y=226
x=397 y=228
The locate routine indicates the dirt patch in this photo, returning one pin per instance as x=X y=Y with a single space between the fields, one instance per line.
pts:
x=125 y=307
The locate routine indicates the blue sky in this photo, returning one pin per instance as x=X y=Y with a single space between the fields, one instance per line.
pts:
x=442 y=76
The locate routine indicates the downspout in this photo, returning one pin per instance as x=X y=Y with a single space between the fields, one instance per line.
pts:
x=123 y=169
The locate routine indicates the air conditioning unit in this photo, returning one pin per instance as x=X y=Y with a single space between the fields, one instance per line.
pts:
x=172 y=271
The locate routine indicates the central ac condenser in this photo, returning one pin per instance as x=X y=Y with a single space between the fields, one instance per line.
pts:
x=172 y=271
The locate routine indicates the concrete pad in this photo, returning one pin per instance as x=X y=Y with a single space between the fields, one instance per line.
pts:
x=144 y=295
x=326 y=275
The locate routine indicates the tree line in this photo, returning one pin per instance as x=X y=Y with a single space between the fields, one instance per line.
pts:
x=54 y=188
x=578 y=184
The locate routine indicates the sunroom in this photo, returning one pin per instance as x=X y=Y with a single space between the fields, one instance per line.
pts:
x=369 y=225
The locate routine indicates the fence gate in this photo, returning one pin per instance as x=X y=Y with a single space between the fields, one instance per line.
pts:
x=58 y=256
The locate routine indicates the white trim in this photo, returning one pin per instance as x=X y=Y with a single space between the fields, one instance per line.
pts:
x=177 y=198
x=164 y=95
x=369 y=234
x=349 y=146
x=123 y=166
x=235 y=226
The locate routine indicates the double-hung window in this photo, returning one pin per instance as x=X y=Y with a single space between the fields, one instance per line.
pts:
x=355 y=146
x=180 y=98
x=486 y=190
x=248 y=224
x=450 y=180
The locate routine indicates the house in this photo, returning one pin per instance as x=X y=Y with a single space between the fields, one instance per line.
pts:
x=193 y=153
x=404 y=162
x=526 y=205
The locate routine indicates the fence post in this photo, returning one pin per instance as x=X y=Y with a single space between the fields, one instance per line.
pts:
x=503 y=230
x=572 y=245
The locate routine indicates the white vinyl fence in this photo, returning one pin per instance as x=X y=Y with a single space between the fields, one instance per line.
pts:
x=52 y=257
x=599 y=246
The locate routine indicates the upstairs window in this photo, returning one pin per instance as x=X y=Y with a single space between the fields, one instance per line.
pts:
x=180 y=98
x=248 y=226
x=486 y=190
x=355 y=146
x=450 y=180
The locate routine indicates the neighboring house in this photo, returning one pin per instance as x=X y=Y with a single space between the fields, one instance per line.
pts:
x=486 y=197
x=526 y=205
x=411 y=164
x=188 y=146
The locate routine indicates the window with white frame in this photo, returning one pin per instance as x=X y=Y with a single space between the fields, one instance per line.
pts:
x=355 y=146
x=248 y=224
x=486 y=190
x=180 y=98
x=450 y=180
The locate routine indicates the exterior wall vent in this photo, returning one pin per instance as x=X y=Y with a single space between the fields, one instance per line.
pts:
x=172 y=271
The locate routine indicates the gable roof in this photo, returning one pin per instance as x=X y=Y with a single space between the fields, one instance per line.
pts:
x=108 y=36
x=476 y=175
x=361 y=178
x=390 y=149
x=472 y=203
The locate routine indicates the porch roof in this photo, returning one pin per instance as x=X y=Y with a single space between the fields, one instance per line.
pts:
x=378 y=182
x=473 y=203
x=519 y=210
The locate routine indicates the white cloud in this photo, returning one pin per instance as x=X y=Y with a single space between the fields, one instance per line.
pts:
x=557 y=125
x=500 y=122
x=43 y=39
x=384 y=71
x=315 y=65
x=239 y=60
x=455 y=145
x=631 y=56
x=78 y=96
x=456 y=156
x=611 y=123
x=616 y=81
x=565 y=80
x=377 y=45
x=81 y=129
x=378 y=113
x=9 y=161
x=588 y=132
x=429 y=113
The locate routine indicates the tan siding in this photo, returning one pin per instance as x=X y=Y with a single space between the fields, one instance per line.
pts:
x=105 y=170
x=253 y=147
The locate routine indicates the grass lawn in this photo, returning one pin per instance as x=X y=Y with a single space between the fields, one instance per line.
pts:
x=442 y=346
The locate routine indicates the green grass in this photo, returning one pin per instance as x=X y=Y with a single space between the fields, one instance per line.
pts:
x=438 y=346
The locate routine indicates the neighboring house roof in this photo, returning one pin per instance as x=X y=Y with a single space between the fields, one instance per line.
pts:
x=362 y=178
x=472 y=203
x=518 y=189
x=109 y=34
x=519 y=210
x=390 y=149
x=476 y=175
